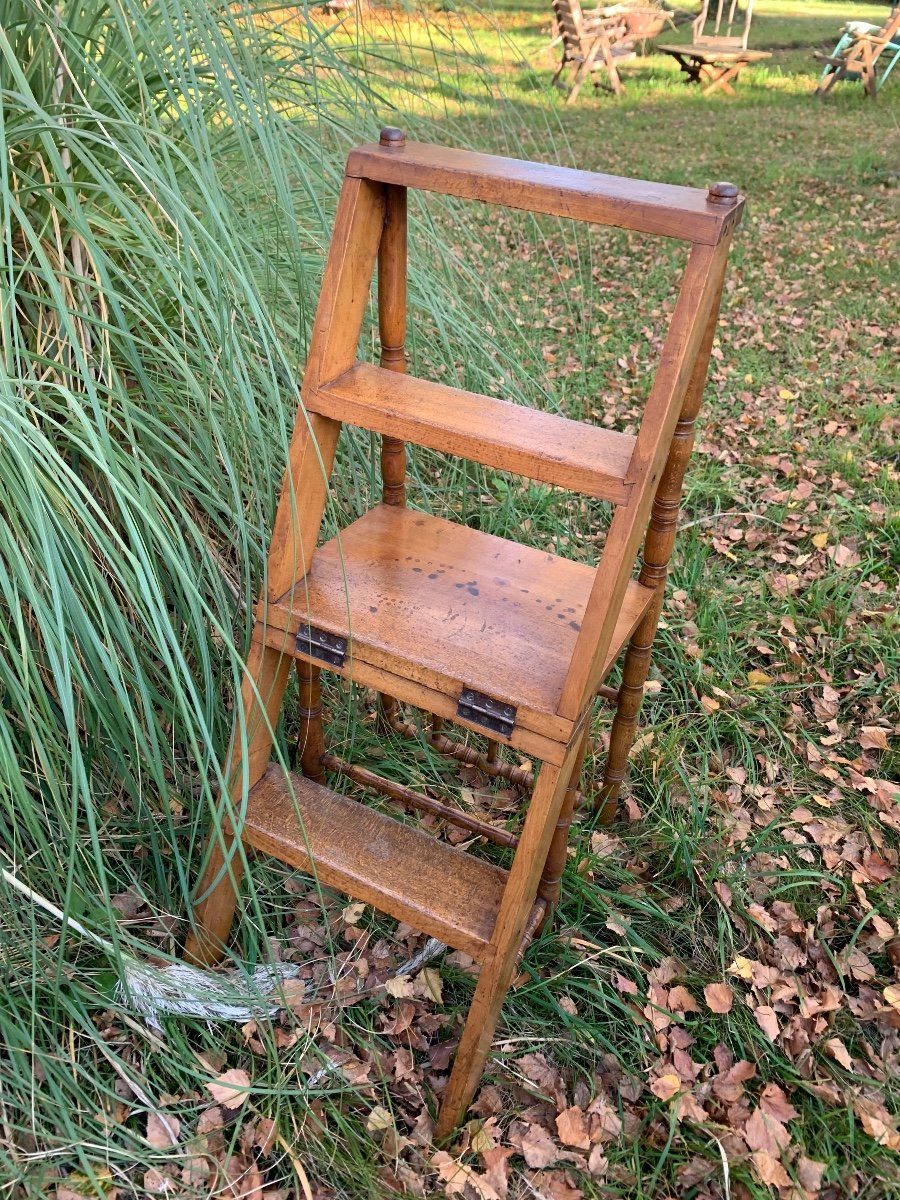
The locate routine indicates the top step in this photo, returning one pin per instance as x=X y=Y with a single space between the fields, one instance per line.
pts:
x=689 y=214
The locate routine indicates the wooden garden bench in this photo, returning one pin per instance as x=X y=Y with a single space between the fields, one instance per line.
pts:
x=718 y=52
x=864 y=52
x=498 y=638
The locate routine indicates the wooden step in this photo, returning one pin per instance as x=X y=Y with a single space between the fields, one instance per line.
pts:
x=660 y=208
x=508 y=437
x=404 y=872
x=429 y=607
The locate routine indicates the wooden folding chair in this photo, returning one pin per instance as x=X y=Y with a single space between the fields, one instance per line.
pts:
x=864 y=52
x=499 y=638
x=591 y=43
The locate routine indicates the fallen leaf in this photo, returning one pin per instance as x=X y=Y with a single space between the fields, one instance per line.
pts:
x=769 y=1170
x=162 y=1130
x=764 y=1133
x=742 y=967
x=230 y=1088
x=767 y=1020
x=681 y=1001
x=719 y=997
x=573 y=1129
x=665 y=1086
x=379 y=1119
x=758 y=679
x=536 y=1146
x=839 y=1052
x=873 y=737
x=877 y=1122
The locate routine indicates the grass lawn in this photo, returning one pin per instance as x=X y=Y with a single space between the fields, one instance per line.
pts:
x=716 y=1012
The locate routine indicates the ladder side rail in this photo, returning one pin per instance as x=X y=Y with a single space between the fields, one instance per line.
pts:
x=700 y=290
x=333 y=346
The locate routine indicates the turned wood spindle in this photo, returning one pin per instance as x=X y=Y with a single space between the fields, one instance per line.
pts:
x=392 y=334
x=310 y=740
x=658 y=546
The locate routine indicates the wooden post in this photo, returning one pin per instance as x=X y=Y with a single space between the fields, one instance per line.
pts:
x=392 y=333
x=392 y=316
x=551 y=877
x=310 y=739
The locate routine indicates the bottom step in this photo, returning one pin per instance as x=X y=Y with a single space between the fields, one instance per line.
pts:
x=408 y=874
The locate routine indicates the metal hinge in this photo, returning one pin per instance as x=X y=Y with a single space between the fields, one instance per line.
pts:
x=485 y=711
x=318 y=643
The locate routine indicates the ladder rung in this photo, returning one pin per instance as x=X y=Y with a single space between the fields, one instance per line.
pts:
x=404 y=872
x=659 y=208
x=508 y=437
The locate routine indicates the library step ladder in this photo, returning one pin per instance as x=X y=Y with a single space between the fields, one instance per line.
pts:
x=493 y=636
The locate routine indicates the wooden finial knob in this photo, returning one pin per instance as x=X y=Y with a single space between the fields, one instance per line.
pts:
x=721 y=193
x=392 y=137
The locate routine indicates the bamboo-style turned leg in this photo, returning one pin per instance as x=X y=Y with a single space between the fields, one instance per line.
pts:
x=512 y=919
x=310 y=739
x=392 y=333
x=217 y=891
x=658 y=546
x=551 y=877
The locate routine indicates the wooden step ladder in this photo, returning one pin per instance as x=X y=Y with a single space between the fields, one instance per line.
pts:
x=493 y=636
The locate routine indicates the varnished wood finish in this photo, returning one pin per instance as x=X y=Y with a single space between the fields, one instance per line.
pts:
x=658 y=547
x=452 y=607
x=429 y=607
x=549 y=887
x=515 y=908
x=262 y=692
x=489 y=763
x=406 y=873
x=509 y=437
x=410 y=799
x=310 y=739
x=700 y=289
x=392 y=330
x=661 y=208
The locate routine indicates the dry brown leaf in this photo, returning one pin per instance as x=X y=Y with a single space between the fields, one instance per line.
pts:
x=873 y=737
x=775 y=1104
x=162 y=1130
x=769 y=1170
x=681 y=1001
x=455 y=1175
x=688 y=1108
x=231 y=1088
x=839 y=1052
x=665 y=1086
x=767 y=1020
x=719 y=997
x=573 y=1128
x=877 y=1121
x=537 y=1147
x=809 y=1173
x=496 y=1168
x=764 y=1133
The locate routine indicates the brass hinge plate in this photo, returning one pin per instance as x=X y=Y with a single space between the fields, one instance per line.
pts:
x=493 y=715
x=327 y=647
